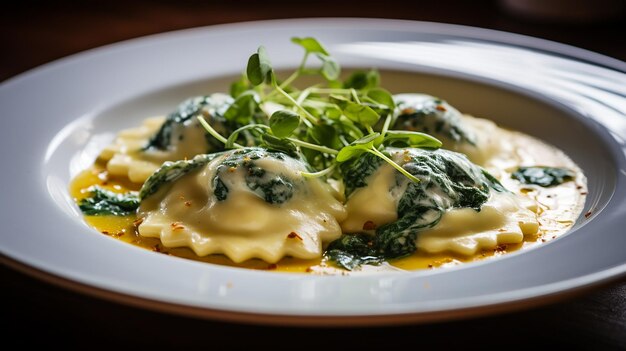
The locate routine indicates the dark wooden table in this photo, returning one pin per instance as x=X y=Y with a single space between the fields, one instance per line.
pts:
x=32 y=34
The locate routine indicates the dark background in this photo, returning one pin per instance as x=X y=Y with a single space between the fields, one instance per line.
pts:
x=33 y=33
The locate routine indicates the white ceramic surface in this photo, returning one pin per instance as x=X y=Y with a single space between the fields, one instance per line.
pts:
x=54 y=119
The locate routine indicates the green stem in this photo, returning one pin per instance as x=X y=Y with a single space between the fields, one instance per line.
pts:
x=321 y=173
x=306 y=113
x=319 y=148
x=393 y=164
x=355 y=96
x=330 y=91
x=386 y=125
x=214 y=133
x=343 y=140
x=295 y=74
x=303 y=95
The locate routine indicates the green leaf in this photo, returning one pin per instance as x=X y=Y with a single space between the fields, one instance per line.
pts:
x=278 y=144
x=349 y=152
x=243 y=108
x=284 y=122
x=333 y=112
x=311 y=45
x=238 y=87
x=543 y=176
x=259 y=67
x=353 y=250
x=367 y=139
x=382 y=97
x=358 y=147
x=324 y=135
x=339 y=100
x=412 y=139
x=330 y=68
x=350 y=128
x=104 y=202
x=170 y=171
x=362 y=80
x=360 y=113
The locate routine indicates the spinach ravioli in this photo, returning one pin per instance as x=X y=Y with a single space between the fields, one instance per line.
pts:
x=455 y=206
x=474 y=137
x=138 y=152
x=245 y=203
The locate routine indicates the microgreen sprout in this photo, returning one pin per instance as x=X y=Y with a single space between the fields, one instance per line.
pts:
x=327 y=123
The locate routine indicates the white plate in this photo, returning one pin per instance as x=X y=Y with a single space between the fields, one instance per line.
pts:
x=55 y=115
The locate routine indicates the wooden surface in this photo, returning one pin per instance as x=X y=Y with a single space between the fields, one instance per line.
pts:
x=32 y=34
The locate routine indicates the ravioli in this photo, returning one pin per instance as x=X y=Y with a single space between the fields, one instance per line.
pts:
x=456 y=206
x=138 y=152
x=248 y=203
x=477 y=138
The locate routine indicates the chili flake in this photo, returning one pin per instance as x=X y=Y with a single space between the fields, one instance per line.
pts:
x=369 y=225
x=294 y=235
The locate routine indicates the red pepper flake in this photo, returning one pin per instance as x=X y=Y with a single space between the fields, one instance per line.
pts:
x=294 y=235
x=500 y=248
x=177 y=226
x=188 y=203
x=232 y=169
x=430 y=266
x=408 y=111
x=441 y=108
x=272 y=266
x=105 y=232
x=588 y=214
x=369 y=225
x=308 y=269
x=156 y=248
x=104 y=182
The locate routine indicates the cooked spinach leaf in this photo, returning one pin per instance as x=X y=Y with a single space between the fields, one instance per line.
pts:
x=357 y=170
x=446 y=180
x=104 y=202
x=352 y=251
x=171 y=171
x=431 y=115
x=171 y=131
x=273 y=188
x=543 y=176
